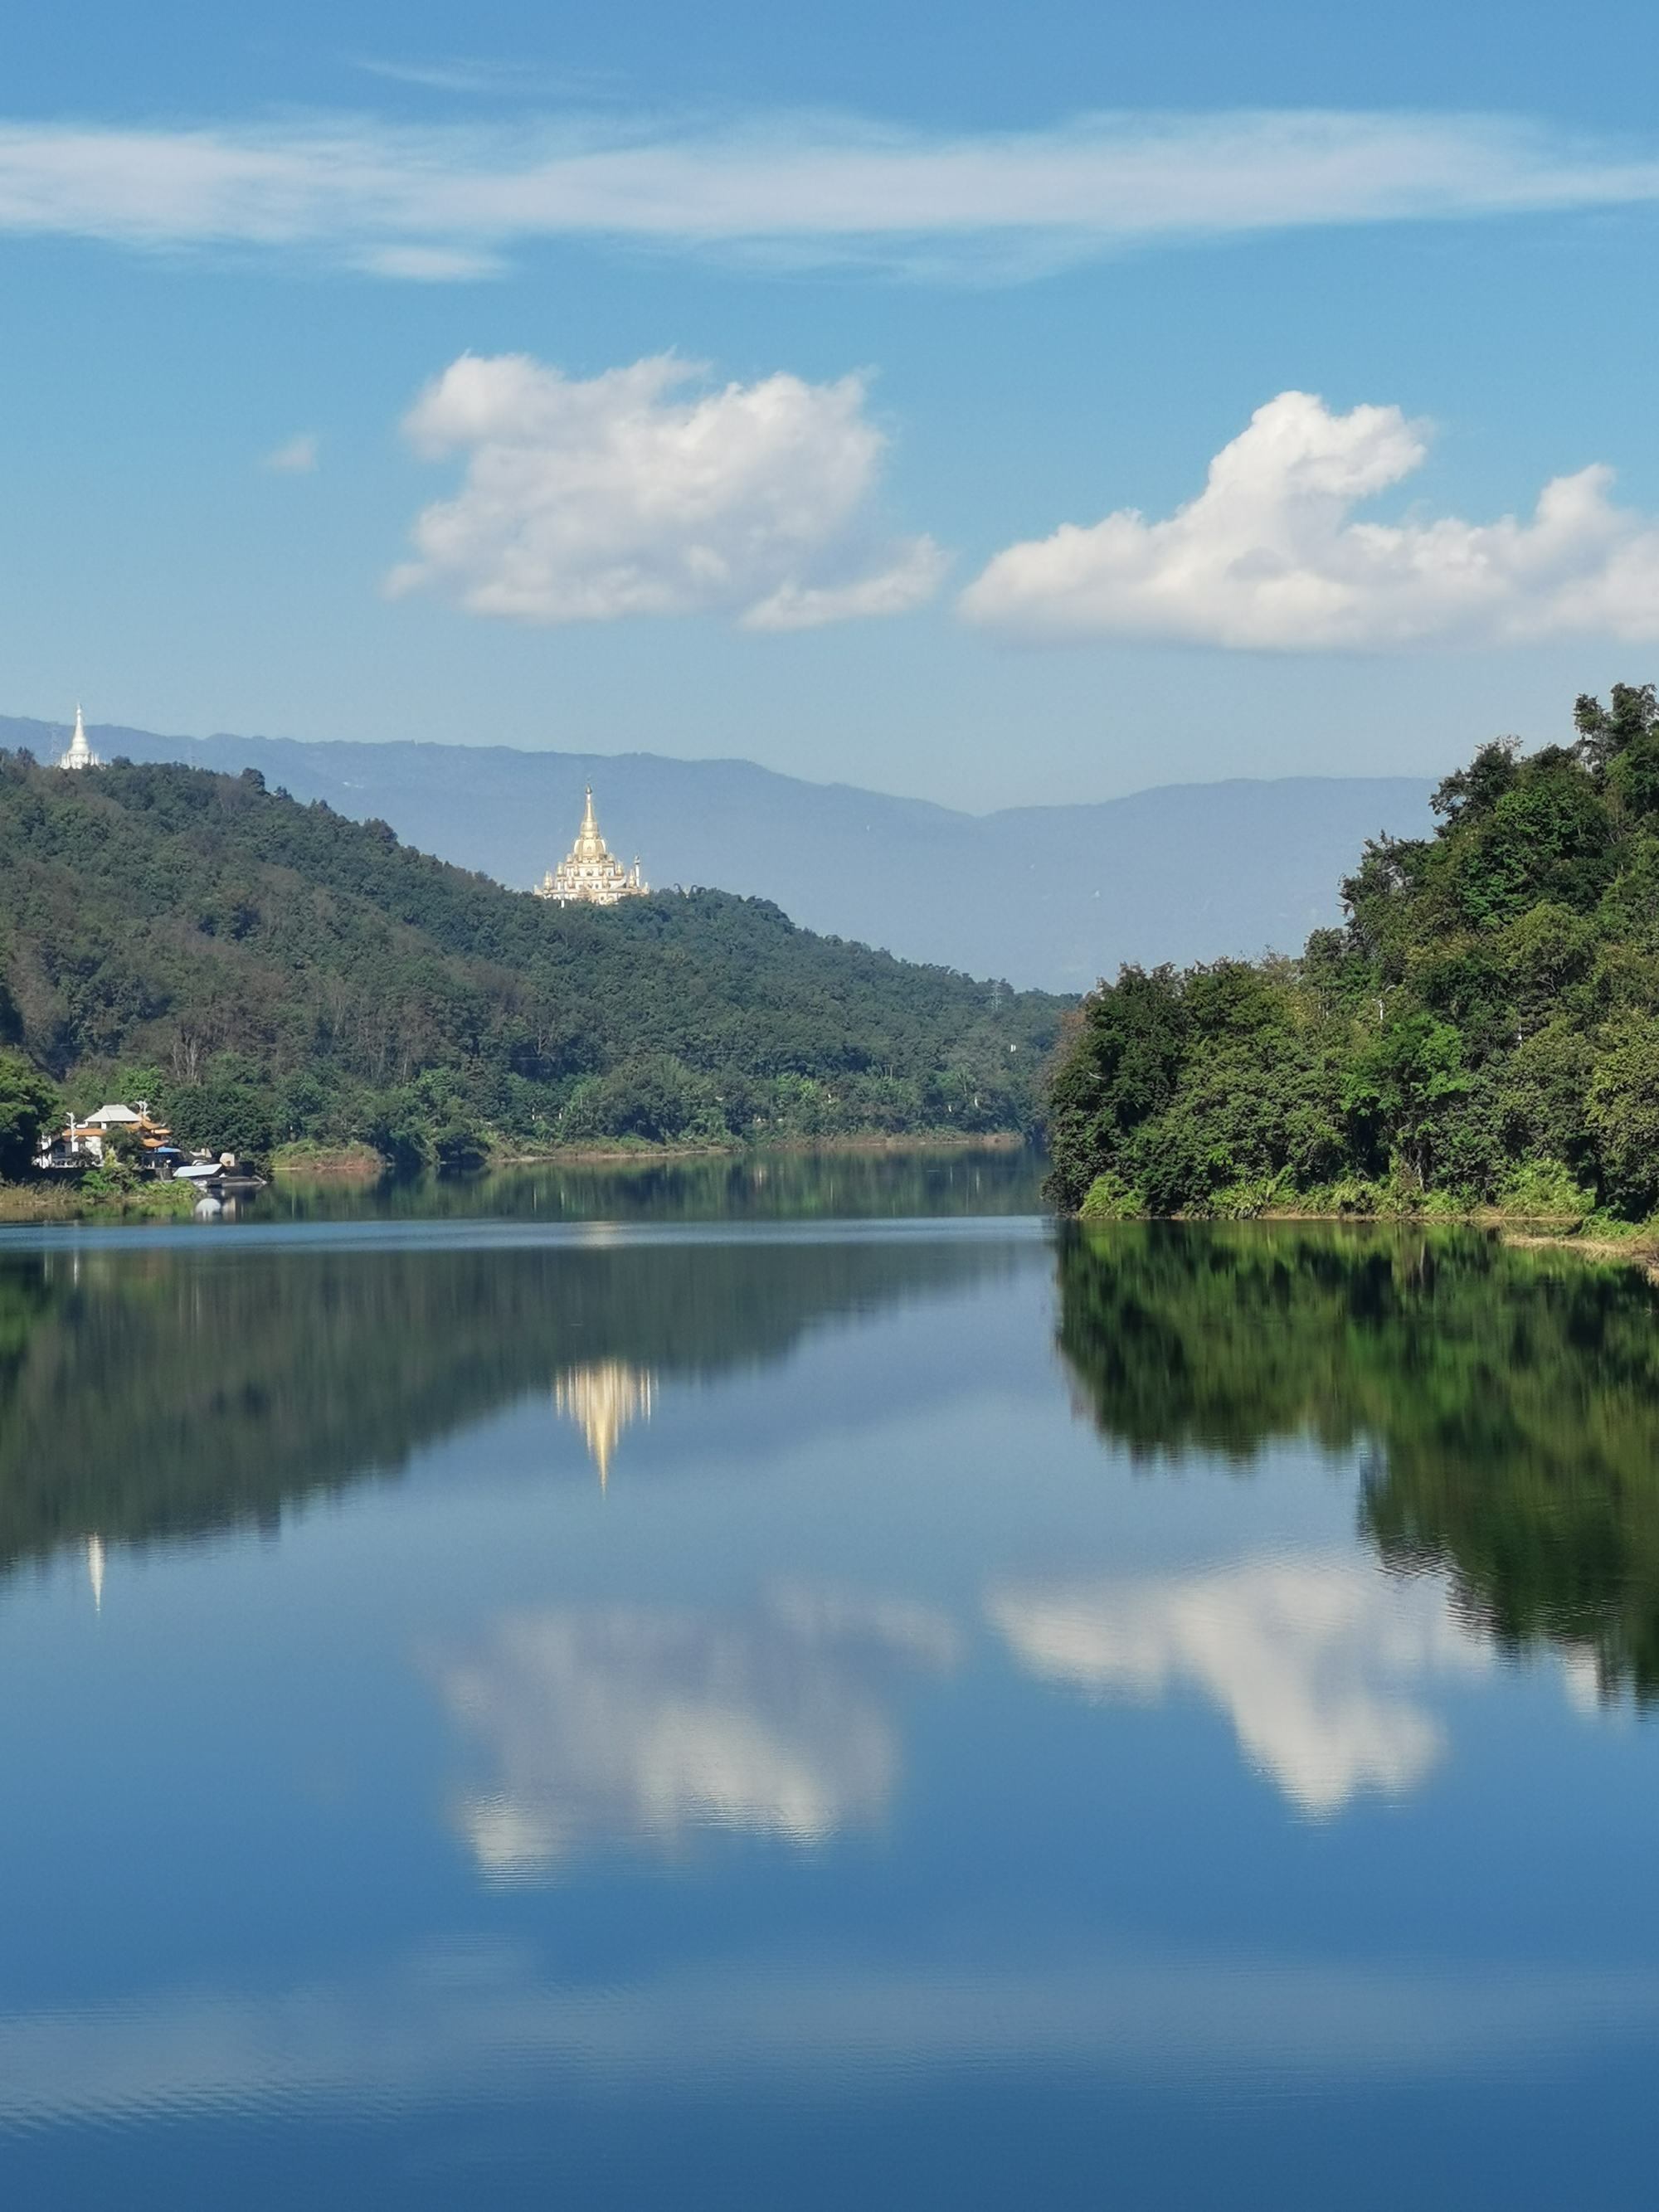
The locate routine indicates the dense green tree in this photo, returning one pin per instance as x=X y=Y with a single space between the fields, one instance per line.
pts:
x=1400 y=1086
x=1484 y=1029
x=286 y=973
x=231 y=1116
x=29 y=1103
x=1622 y=1110
x=1627 y=725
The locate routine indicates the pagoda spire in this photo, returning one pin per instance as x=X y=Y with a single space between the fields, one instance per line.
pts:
x=80 y=753
x=589 y=871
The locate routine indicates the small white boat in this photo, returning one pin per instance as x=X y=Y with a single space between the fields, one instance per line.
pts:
x=218 y=1176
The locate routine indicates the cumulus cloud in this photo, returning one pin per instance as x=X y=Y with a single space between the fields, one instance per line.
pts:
x=295 y=457
x=641 y=492
x=639 y=1725
x=1314 y=1660
x=398 y=199
x=1271 y=556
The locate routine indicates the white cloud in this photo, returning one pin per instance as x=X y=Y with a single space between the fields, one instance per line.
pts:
x=629 y=494
x=1270 y=556
x=1312 y=1660
x=295 y=457
x=640 y=1725
x=395 y=198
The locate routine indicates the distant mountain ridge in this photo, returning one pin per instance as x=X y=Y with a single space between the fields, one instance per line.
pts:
x=1049 y=896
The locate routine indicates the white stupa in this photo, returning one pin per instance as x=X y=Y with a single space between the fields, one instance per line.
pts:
x=80 y=753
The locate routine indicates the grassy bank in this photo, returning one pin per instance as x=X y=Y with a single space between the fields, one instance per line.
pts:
x=305 y=1159
x=95 y=1198
x=1529 y=1219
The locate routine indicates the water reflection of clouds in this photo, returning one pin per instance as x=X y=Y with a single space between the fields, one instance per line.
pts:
x=629 y=1723
x=1316 y=1661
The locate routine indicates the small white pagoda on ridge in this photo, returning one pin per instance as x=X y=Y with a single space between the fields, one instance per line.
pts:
x=589 y=871
x=80 y=753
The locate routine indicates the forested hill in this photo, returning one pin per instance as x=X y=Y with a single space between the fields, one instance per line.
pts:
x=1049 y=896
x=1483 y=1031
x=268 y=970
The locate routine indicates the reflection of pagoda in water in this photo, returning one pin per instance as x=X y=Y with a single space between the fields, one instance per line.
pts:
x=602 y=1399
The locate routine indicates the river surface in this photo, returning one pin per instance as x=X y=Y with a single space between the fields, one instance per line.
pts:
x=807 y=1686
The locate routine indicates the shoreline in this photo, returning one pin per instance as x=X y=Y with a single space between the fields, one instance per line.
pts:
x=25 y=1204
x=344 y=1163
x=1528 y=1232
x=618 y=1154
x=1638 y=1250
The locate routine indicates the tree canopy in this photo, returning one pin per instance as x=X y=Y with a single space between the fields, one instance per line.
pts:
x=1483 y=1031
x=262 y=971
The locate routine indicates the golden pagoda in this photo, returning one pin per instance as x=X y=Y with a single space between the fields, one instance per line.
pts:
x=590 y=872
x=602 y=1398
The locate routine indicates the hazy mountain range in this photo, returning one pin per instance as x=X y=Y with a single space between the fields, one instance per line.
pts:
x=1050 y=895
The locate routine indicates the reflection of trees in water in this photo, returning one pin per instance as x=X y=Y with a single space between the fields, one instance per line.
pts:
x=25 y=1296
x=751 y=1186
x=1507 y=1402
x=155 y=1393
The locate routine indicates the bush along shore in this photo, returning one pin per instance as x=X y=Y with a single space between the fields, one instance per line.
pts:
x=96 y=1195
x=1482 y=1037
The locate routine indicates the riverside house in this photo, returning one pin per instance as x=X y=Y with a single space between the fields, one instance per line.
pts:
x=80 y=1143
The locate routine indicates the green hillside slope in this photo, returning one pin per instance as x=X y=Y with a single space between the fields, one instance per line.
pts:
x=268 y=970
x=1486 y=1028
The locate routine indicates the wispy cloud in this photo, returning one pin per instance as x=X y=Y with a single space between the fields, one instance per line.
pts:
x=473 y=78
x=457 y=76
x=396 y=198
x=295 y=457
x=1274 y=555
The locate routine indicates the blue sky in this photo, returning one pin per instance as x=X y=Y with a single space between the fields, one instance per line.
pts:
x=1066 y=253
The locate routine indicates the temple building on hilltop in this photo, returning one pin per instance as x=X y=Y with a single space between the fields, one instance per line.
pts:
x=80 y=753
x=589 y=872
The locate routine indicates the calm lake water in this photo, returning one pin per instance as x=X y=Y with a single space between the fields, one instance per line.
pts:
x=823 y=1691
